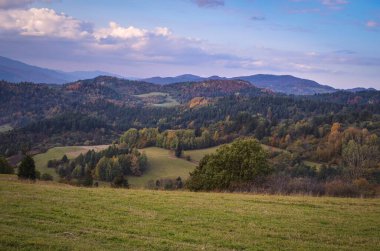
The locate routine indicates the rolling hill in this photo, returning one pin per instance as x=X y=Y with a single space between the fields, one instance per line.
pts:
x=278 y=83
x=16 y=71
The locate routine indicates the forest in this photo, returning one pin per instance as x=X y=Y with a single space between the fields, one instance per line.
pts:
x=339 y=131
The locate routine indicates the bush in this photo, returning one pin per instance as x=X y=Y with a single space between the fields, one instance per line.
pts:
x=5 y=167
x=46 y=176
x=340 y=188
x=165 y=184
x=120 y=182
x=363 y=187
x=282 y=184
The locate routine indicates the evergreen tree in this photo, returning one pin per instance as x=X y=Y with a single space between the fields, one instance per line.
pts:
x=27 y=168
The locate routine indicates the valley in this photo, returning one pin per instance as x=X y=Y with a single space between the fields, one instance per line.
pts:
x=190 y=125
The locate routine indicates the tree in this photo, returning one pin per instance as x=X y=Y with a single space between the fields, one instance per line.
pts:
x=27 y=168
x=65 y=159
x=130 y=138
x=178 y=150
x=4 y=166
x=244 y=161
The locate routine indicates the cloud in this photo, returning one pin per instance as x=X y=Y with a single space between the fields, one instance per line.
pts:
x=333 y=3
x=209 y=3
x=116 y=31
x=329 y=4
x=257 y=18
x=372 y=24
x=9 y=4
x=14 y=4
x=42 y=22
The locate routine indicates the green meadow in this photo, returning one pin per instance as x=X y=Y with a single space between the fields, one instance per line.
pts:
x=42 y=159
x=169 y=100
x=162 y=164
x=52 y=216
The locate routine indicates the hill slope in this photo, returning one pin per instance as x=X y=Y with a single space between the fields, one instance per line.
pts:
x=287 y=84
x=16 y=71
x=277 y=83
x=50 y=216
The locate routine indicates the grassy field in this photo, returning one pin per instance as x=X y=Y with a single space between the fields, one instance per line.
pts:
x=5 y=128
x=50 y=216
x=57 y=153
x=197 y=155
x=169 y=101
x=162 y=165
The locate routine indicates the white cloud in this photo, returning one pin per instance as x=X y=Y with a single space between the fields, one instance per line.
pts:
x=116 y=31
x=42 y=22
x=162 y=31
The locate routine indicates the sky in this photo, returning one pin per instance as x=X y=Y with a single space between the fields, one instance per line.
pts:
x=334 y=42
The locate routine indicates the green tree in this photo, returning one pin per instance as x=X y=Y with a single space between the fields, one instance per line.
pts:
x=244 y=161
x=4 y=166
x=27 y=168
x=130 y=138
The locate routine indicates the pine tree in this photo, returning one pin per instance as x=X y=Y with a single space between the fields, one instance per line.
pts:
x=27 y=168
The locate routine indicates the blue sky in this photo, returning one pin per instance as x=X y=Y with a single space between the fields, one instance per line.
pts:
x=334 y=42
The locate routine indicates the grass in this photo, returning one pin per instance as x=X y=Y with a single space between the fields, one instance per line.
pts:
x=50 y=216
x=162 y=165
x=151 y=94
x=169 y=100
x=42 y=159
x=197 y=155
x=5 y=128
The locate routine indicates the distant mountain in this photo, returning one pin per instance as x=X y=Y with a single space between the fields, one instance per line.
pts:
x=360 y=89
x=287 y=84
x=277 y=83
x=16 y=71
x=172 y=80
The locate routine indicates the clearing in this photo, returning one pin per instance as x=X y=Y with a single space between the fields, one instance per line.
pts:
x=162 y=164
x=5 y=128
x=42 y=159
x=169 y=100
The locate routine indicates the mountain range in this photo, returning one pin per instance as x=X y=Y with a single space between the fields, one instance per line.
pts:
x=16 y=71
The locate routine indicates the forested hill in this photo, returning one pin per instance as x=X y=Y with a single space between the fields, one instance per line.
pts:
x=97 y=111
x=277 y=83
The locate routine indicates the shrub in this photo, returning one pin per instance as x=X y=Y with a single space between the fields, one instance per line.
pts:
x=46 y=176
x=5 y=167
x=363 y=187
x=340 y=188
x=120 y=182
